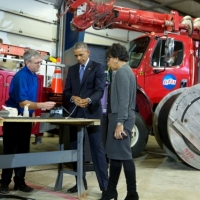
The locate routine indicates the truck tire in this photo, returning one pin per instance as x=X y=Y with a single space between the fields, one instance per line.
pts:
x=139 y=136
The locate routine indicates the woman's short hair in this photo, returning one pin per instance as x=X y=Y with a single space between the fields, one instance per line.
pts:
x=118 y=51
x=1 y=41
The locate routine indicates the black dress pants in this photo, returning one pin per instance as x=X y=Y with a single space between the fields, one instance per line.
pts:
x=16 y=139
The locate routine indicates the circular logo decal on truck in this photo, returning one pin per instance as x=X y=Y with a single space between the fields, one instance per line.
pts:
x=169 y=81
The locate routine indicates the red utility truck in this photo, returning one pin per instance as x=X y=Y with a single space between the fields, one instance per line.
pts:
x=165 y=58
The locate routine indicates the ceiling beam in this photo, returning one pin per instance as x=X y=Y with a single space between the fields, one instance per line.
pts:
x=167 y=8
x=56 y=3
x=169 y=3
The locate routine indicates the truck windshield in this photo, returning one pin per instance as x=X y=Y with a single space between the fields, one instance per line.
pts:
x=137 y=50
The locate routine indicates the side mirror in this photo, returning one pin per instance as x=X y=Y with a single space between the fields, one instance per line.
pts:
x=169 y=51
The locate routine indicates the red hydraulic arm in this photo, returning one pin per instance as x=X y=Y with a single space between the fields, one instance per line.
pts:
x=107 y=15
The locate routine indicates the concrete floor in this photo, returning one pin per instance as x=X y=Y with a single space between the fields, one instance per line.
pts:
x=158 y=177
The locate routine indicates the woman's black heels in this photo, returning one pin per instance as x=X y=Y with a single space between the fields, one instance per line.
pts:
x=109 y=194
x=132 y=196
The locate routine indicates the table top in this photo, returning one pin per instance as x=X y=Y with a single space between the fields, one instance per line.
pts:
x=70 y=121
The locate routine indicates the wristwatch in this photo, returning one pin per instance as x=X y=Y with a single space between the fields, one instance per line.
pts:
x=89 y=100
x=119 y=124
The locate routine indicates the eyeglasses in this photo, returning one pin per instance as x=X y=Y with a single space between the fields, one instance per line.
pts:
x=36 y=63
x=108 y=59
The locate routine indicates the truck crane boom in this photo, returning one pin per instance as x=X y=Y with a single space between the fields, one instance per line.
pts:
x=107 y=15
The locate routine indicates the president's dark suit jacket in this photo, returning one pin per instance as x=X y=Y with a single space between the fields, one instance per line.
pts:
x=92 y=87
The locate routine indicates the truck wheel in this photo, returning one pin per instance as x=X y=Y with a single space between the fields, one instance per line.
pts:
x=139 y=136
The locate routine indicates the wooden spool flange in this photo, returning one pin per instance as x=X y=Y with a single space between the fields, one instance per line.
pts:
x=183 y=126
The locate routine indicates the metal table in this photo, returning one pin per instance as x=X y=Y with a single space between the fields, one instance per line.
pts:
x=60 y=156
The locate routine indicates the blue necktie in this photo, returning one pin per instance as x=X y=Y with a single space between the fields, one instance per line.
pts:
x=81 y=73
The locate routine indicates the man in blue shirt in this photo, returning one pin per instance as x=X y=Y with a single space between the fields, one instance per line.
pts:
x=16 y=136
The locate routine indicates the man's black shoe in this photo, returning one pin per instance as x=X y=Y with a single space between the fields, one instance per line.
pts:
x=3 y=188
x=103 y=191
x=23 y=187
x=74 y=189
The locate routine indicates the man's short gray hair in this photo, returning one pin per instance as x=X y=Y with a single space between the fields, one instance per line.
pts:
x=30 y=54
x=81 y=45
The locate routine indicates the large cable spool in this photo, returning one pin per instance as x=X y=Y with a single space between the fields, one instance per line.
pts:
x=183 y=126
x=160 y=122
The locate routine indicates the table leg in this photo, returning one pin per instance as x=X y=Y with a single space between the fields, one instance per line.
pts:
x=81 y=189
x=59 y=179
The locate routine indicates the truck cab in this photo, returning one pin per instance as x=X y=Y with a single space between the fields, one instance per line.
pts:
x=155 y=77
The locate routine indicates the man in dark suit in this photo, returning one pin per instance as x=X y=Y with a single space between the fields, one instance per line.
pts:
x=84 y=89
